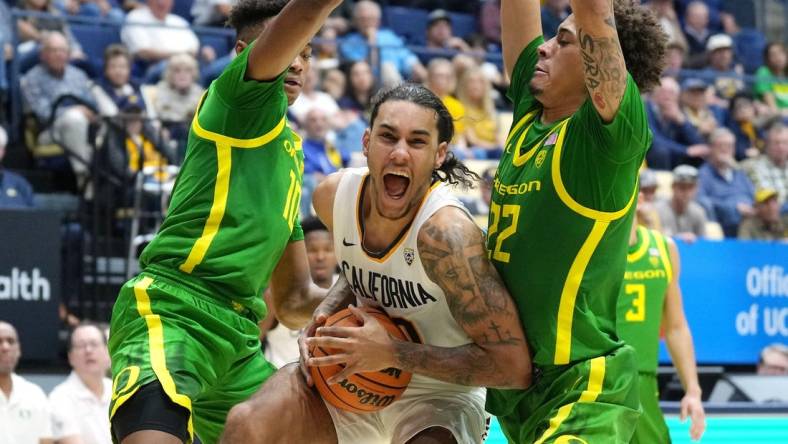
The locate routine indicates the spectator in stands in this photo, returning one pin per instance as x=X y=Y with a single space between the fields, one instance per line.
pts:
x=334 y=83
x=681 y=217
x=442 y=81
x=178 y=93
x=721 y=69
x=15 y=190
x=81 y=402
x=361 y=86
x=326 y=50
x=669 y=19
x=490 y=21
x=675 y=139
x=481 y=119
x=312 y=97
x=32 y=29
x=743 y=123
x=771 y=83
x=133 y=144
x=321 y=157
x=440 y=35
x=674 y=59
x=697 y=33
x=724 y=190
x=43 y=85
x=6 y=51
x=105 y=9
x=554 y=12
x=211 y=12
x=480 y=205
x=647 y=210
x=25 y=413
x=116 y=86
x=381 y=47
x=695 y=104
x=770 y=169
x=773 y=360
x=161 y=35
x=766 y=223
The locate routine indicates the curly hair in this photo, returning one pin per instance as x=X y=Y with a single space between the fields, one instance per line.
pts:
x=247 y=17
x=452 y=171
x=643 y=42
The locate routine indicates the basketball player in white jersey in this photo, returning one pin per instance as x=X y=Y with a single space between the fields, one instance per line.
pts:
x=406 y=246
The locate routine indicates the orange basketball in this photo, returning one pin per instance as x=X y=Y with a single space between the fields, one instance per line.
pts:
x=361 y=392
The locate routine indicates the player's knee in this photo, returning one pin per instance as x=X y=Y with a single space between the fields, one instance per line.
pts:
x=241 y=424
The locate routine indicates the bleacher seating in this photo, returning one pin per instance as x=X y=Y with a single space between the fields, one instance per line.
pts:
x=749 y=44
x=94 y=38
x=409 y=23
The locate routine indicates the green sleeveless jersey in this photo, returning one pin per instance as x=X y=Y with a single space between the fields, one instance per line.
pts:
x=642 y=297
x=562 y=205
x=235 y=203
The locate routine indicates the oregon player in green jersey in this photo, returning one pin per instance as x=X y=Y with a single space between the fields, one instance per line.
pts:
x=650 y=298
x=562 y=205
x=184 y=340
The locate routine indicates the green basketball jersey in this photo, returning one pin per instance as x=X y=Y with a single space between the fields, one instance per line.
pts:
x=642 y=297
x=235 y=203
x=562 y=204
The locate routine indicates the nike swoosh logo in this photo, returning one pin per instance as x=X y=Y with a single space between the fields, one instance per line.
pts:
x=346 y=243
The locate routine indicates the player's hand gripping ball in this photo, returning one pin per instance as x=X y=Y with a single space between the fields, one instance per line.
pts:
x=360 y=392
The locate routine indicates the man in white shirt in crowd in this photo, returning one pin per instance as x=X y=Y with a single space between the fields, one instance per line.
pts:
x=152 y=44
x=80 y=404
x=24 y=410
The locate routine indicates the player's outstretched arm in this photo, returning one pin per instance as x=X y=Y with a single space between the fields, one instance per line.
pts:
x=521 y=23
x=679 y=341
x=294 y=295
x=603 y=59
x=286 y=36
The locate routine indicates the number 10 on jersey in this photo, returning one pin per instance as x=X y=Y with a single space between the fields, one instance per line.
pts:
x=293 y=198
x=510 y=214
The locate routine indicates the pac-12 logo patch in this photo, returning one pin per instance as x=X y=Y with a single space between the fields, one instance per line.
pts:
x=409 y=255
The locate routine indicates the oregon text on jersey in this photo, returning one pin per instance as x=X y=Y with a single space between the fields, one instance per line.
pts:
x=645 y=274
x=391 y=292
x=522 y=188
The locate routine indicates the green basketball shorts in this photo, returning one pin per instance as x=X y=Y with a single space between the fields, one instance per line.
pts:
x=592 y=402
x=205 y=354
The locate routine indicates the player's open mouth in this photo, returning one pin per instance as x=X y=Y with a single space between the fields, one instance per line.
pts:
x=293 y=83
x=396 y=184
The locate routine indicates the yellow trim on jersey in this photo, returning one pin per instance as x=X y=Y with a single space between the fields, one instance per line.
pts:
x=663 y=252
x=566 y=308
x=596 y=378
x=256 y=142
x=404 y=235
x=220 y=192
x=158 y=360
x=224 y=146
x=570 y=202
x=525 y=119
x=642 y=248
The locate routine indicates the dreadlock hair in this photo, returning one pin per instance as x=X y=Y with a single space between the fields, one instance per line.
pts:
x=452 y=171
x=248 y=17
x=643 y=42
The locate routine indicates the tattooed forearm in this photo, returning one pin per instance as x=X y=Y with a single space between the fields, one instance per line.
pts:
x=604 y=68
x=452 y=252
x=464 y=365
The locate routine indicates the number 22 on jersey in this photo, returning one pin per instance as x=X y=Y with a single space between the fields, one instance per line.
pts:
x=510 y=215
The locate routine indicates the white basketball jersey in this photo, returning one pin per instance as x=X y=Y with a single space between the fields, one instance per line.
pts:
x=395 y=281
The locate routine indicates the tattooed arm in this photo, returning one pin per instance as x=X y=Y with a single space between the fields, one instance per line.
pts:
x=452 y=251
x=603 y=60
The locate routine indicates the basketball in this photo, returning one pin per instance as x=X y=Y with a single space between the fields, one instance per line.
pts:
x=361 y=392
